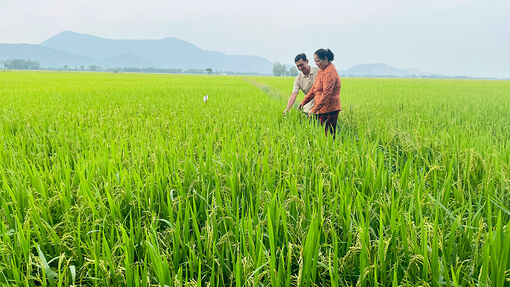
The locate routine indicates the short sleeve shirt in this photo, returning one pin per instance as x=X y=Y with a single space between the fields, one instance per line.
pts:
x=305 y=83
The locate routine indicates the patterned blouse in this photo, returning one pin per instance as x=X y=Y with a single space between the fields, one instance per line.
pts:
x=325 y=91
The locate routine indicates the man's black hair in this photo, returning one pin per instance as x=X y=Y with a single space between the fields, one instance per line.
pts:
x=301 y=56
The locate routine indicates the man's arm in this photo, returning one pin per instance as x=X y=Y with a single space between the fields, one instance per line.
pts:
x=292 y=100
x=295 y=91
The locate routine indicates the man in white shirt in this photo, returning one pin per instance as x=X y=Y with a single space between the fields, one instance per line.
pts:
x=304 y=82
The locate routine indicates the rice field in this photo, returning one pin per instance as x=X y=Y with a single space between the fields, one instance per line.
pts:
x=134 y=180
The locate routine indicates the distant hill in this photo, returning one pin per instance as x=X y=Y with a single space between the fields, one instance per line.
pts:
x=381 y=70
x=164 y=53
x=74 y=49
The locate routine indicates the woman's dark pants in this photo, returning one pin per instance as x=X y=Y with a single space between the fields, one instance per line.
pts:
x=329 y=121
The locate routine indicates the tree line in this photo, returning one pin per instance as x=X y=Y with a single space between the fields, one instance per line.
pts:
x=21 y=64
x=281 y=70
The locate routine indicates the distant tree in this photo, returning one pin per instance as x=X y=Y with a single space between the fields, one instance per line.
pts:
x=276 y=69
x=94 y=68
x=34 y=65
x=66 y=67
x=279 y=69
x=209 y=71
x=82 y=68
x=293 y=71
x=20 y=64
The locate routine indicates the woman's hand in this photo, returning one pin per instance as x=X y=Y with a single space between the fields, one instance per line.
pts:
x=300 y=107
x=310 y=113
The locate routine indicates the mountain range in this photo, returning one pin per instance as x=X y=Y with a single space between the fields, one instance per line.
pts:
x=75 y=50
x=382 y=70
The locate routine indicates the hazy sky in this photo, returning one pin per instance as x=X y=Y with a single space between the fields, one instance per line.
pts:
x=463 y=37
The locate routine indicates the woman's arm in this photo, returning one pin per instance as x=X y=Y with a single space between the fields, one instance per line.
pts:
x=309 y=96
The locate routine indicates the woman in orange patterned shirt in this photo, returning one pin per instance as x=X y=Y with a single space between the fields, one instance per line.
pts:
x=325 y=91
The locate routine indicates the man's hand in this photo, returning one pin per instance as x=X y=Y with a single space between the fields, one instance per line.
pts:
x=292 y=99
x=310 y=113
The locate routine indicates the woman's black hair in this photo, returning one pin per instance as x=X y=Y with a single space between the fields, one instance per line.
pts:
x=301 y=56
x=325 y=53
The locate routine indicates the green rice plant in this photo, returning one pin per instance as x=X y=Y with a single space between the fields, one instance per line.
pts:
x=132 y=180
